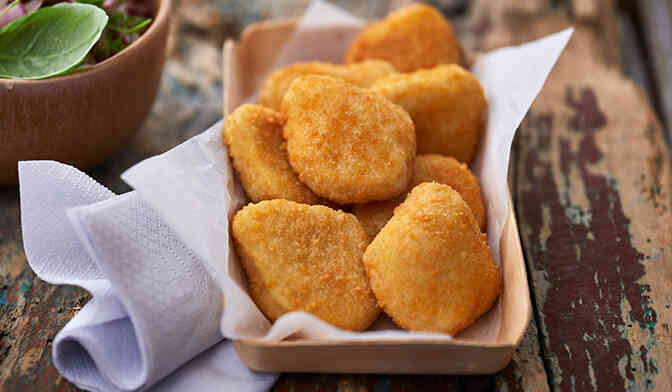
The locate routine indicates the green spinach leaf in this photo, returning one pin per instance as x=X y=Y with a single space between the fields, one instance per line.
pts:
x=50 y=41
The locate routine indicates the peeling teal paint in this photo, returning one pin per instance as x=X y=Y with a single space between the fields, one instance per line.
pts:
x=657 y=254
x=591 y=371
x=569 y=351
x=25 y=286
x=578 y=216
x=572 y=380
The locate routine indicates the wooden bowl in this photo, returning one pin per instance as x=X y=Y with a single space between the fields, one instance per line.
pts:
x=84 y=117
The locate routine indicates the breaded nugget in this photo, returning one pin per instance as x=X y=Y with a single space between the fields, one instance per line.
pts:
x=361 y=75
x=411 y=38
x=253 y=135
x=430 y=267
x=373 y=216
x=347 y=144
x=428 y=168
x=308 y=258
x=447 y=105
x=448 y=171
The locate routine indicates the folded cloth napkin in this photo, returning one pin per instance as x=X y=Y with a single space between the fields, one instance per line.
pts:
x=154 y=306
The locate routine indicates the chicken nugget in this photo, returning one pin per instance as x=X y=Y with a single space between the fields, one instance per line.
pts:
x=373 y=216
x=347 y=144
x=447 y=105
x=361 y=75
x=307 y=258
x=428 y=168
x=253 y=135
x=430 y=267
x=414 y=37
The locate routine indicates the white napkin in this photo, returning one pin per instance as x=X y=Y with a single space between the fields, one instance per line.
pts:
x=154 y=306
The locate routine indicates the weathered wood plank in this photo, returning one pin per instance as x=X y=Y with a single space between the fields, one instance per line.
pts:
x=526 y=371
x=31 y=311
x=594 y=210
x=656 y=21
x=601 y=17
x=361 y=383
x=633 y=60
x=593 y=206
x=578 y=201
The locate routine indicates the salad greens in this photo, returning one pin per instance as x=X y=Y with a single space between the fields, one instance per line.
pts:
x=55 y=39
x=49 y=41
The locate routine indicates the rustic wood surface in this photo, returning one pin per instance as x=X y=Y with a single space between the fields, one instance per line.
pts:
x=656 y=19
x=590 y=178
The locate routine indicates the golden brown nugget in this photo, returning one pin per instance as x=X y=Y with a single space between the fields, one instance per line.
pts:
x=253 y=135
x=430 y=267
x=447 y=105
x=361 y=75
x=373 y=216
x=308 y=258
x=347 y=144
x=414 y=37
x=428 y=168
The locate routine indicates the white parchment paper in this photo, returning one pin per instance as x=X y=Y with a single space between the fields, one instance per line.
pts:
x=193 y=188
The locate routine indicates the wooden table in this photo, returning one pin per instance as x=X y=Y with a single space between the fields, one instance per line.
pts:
x=590 y=178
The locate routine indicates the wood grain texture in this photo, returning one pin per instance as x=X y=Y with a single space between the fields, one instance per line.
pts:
x=577 y=204
x=361 y=383
x=593 y=207
x=598 y=334
x=526 y=370
x=31 y=312
x=656 y=20
x=577 y=201
x=633 y=60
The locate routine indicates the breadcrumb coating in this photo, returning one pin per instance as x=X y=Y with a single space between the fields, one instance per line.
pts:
x=253 y=135
x=308 y=258
x=361 y=75
x=447 y=105
x=430 y=267
x=347 y=144
x=428 y=168
x=411 y=38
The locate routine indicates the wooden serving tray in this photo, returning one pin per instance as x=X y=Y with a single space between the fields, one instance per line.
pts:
x=246 y=64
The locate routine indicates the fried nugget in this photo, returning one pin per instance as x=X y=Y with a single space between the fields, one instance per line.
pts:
x=428 y=168
x=447 y=105
x=373 y=216
x=347 y=144
x=411 y=38
x=430 y=267
x=253 y=135
x=361 y=75
x=307 y=258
